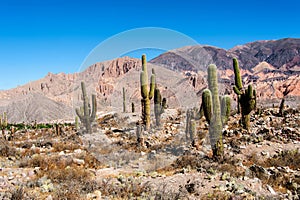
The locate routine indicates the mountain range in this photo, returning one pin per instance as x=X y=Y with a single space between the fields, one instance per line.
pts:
x=272 y=66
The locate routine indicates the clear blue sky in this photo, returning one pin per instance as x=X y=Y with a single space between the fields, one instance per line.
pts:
x=40 y=36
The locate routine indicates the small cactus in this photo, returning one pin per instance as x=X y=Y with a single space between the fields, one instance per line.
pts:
x=246 y=98
x=159 y=105
x=3 y=121
x=76 y=123
x=145 y=93
x=193 y=132
x=124 y=100
x=191 y=116
x=85 y=113
x=281 y=108
x=132 y=107
x=139 y=134
x=187 y=124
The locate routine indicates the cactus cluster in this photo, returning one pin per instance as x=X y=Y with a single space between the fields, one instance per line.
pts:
x=87 y=114
x=215 y=115
x=246 y=97
x=146 y=94
x=159 y=105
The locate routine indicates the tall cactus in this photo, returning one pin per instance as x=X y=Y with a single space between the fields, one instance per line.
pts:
x=246 y=98
x=213 y=113
x=87 y=115
x=145 y=93
x=159 y=105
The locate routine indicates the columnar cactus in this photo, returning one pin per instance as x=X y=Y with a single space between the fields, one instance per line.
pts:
x=132 y=107
x=191 y=116
x=87 y=115
x=281 y=108
x=212 y=111
x=145 y=93
x=159 y=105
x=193 y=132
x=139 y=134
x=246 y=98
x=76 y=123
x=187 y=124
x=124 y=101
x=3 y=121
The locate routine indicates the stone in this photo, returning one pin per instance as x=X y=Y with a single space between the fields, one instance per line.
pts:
x=78 y=161
x=271 y=190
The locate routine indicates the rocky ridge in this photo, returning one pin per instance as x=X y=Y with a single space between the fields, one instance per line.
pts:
x=272 y=67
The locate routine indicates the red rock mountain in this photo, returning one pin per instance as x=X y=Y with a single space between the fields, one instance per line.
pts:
x=272 y=66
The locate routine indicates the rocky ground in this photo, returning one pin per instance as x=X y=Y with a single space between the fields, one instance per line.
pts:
x=109 y=164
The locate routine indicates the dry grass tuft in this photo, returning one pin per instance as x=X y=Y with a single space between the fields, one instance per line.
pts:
x=63 y=146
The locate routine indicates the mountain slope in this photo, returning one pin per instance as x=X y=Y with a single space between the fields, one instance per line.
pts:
x=272 y=66
x=283 y=54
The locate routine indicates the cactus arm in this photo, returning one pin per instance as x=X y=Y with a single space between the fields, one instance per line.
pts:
x=79 y=113
x=144 y=84
x=238 y=79
x=144 y=63
x=152 y=86
x=207 y=105
x=236 y=90
x=225 y=108
x=164 y=104
x=94 y=109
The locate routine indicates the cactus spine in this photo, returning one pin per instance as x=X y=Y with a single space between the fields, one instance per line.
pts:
x=159 y=105
x=124 y=101
x=87 y=115
x=212 y=111
x=146 y=95
x=246 y=98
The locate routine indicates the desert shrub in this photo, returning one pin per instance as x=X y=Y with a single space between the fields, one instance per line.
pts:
x=62 y=146
x=6 y=150
x=73 y=182
x=217 y=195
x=124 y=188
x=286 y=158
x=17 y=194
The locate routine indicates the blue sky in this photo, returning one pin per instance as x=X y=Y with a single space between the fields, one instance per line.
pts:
x=37 y=37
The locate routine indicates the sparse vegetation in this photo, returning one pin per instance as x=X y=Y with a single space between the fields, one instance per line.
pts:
x=123 y=161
